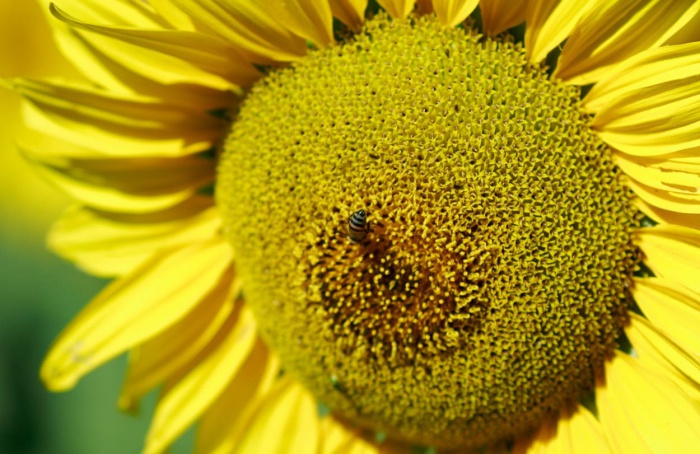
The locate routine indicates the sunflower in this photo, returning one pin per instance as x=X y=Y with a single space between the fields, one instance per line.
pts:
x=347 y=226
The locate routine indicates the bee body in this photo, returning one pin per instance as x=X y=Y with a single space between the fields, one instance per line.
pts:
x=358 y=226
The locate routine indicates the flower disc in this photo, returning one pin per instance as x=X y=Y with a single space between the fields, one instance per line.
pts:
x=491 y=282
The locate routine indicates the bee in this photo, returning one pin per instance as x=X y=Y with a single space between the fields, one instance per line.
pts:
x=358 y=226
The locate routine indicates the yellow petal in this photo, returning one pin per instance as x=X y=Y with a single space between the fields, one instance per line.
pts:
x=190 y=397
x=498 y=15
x=673 y=201
x=662 y=216
x=118 y=79
x=229 y=415
x=87 y=50
x=94 y=126
x=175 y=17
x=453 y=12
x=350 y=12
x=285 y=422
x=133 y=309
x=108 y=244
x=206 y=53
x=614 y=31
x=642 y=412
x=569 y=433
x=108 y=199
x=337 y=438
x=688 y=34
x=127 y=185
x=643 y=71
x=398 y=9
x=310 y=19
x=662 y=174
x=672 y=252
x=250 y=26
x=549 y=22
x=673 y=309
x=651 y=343
x=158 y=359
x=148 y=177
x=660 y=120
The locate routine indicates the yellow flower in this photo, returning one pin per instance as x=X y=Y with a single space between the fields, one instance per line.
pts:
x=524 y=274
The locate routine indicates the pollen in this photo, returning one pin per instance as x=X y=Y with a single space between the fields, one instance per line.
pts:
x=493 y=280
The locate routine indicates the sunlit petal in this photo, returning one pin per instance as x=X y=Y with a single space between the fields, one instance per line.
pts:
x=453 y=12
x=208 y=54
x=285 y=421
x=132 y=309
x=222 y=424
x=399 y=9
x=156 y=360
x=189 y=398
x=252 y=27
x=549 y=22
x=614 y=31
x=672 y=252
x=577 y=432
x=109 y=244
x=642 y=412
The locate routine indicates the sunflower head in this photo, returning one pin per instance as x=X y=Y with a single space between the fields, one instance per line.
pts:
x=492 y=281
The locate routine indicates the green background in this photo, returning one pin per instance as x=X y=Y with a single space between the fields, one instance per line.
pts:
x=39 y=294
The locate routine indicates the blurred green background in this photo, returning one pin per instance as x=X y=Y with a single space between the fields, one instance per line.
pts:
x=39 y=293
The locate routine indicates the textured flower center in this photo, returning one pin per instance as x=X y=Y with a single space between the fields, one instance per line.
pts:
x=490 y=285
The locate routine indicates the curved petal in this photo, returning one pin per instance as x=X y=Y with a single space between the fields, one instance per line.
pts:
x=109 y=199
x=250 y=26
x=688 y=34
x=87 y=49
x=672 y=252
x=549 y=22
x=105 y=244
x=206 y=53
x=132 y=309
x=684 y=203
x=675 y=312
x=190 y=397
x=648 y=340
x=115 y=124
x=665 y=175
x=176 y=17
x=350 y=12
x=223 y=422
x=453 y=12
x=642 y=412
x=128 y=185
x=115 y=77
x=614 y=31
x=398 y=9
x=285 y=421
x=156 y=360
x=662 y=216
x=660 y=119
x=499 y=15
x=642 y=71
x=577 y=432
x=336 y=438
x=310 y=19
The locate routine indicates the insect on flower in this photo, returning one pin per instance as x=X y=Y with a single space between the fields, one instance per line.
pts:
x=358 y=226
